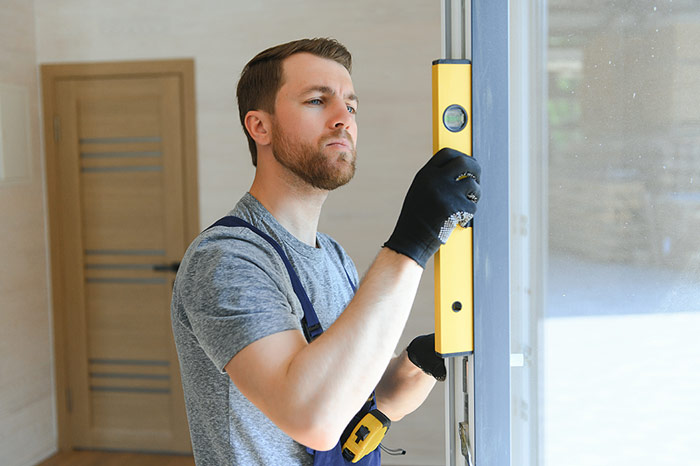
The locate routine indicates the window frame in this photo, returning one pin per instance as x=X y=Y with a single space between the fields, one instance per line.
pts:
x=490 y=125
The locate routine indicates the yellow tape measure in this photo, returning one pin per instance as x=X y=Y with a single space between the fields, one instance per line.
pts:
x=366 y=436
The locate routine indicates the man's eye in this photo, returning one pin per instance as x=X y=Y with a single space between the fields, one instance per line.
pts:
x=352 y=109
x=315 y=101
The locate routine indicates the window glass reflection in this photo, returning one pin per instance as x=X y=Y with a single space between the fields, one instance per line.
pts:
x=623 y=304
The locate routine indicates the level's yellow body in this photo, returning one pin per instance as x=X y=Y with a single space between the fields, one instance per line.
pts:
x=454 y=295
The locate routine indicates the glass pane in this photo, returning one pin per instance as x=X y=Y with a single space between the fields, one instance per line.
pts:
x=620 y=378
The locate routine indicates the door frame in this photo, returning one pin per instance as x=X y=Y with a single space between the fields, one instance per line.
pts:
x=50 y=75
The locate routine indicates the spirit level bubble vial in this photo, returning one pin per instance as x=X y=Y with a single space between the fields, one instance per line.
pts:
x=454 y=282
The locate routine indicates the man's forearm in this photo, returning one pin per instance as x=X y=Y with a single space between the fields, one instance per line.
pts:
x=349 y=359
x=403 y=388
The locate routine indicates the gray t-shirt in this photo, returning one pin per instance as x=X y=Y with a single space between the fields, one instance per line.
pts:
x=231 y=290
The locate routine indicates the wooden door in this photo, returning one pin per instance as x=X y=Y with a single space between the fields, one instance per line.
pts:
x=123 y=209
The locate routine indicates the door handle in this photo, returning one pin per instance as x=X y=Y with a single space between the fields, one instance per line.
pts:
x=172 y=267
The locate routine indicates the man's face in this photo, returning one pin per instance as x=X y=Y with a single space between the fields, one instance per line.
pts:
x=314 y=130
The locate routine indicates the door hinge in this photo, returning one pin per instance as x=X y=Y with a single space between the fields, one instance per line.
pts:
x=69 y=400
x=56 y=128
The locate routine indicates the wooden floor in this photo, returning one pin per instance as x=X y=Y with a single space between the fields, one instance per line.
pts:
x=96 y=458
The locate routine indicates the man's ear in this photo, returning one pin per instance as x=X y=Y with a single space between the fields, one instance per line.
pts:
x=258 y=123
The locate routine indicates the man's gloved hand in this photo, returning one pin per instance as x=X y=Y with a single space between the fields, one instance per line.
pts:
x=421 y=352
x=443 y=194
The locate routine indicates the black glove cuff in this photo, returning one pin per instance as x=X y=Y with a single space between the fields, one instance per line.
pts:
x=421 y=352
x=419 y=252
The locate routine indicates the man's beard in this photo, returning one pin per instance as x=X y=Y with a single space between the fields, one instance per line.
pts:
x=311 y=165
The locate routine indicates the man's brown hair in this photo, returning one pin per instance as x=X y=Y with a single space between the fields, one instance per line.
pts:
x=262 y=77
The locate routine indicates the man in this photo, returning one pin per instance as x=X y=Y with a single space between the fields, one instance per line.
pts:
x=259 y=388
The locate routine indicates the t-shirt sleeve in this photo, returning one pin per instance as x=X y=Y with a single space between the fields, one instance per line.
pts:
x=235 y=292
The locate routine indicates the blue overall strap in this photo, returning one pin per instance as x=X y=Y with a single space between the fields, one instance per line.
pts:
x=310 y=324
x=352 y=285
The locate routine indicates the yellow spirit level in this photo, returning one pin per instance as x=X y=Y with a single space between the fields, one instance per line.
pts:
x=454 y=296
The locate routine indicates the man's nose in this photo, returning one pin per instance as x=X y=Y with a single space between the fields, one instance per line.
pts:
x=341 y=117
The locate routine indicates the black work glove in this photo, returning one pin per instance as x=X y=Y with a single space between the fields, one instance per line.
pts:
x=443 y=194
x=421 y=352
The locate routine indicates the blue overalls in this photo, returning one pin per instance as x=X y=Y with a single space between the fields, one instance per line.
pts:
x=312 y=329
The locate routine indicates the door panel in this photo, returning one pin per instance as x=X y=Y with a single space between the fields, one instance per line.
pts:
x=122 y=216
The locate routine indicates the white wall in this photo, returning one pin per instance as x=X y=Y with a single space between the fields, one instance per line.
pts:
x=393 y=43
x=27 y=420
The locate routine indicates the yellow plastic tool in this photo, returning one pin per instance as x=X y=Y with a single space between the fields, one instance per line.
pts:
x=366 y=436
x=454 y=274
